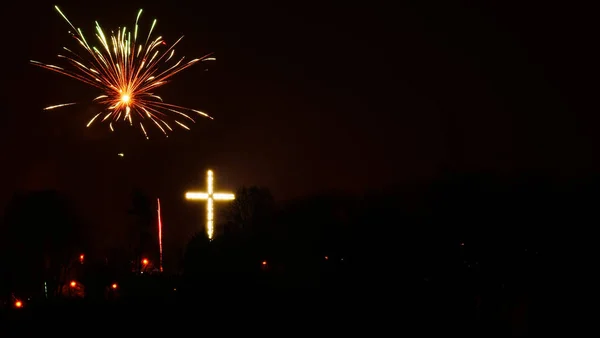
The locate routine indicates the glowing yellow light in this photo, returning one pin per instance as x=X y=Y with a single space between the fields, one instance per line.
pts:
x=18 y=304
x=196 y=195
x=121 y=154
x=73 y=284
x=223 y=197
x=125 y=98
x=210 y=196
x=145 y=261
x=114 y=286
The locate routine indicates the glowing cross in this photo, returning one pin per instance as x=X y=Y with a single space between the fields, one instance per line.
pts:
x=210 y=197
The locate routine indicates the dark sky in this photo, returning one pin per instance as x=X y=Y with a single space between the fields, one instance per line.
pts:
x=308 y=98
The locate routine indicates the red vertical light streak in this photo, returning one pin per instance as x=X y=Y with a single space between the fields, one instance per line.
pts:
x=160 y=251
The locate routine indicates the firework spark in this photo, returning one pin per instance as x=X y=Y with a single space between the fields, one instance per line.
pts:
x=127 y=70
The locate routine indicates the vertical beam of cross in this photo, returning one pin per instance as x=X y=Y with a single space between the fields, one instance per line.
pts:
x=209 y=196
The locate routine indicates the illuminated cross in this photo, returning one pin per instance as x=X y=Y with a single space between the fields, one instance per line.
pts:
x=210 y=197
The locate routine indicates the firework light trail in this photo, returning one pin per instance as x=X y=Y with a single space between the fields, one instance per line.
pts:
x=127 y=69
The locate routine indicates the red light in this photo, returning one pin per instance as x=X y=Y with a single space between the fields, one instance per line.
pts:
x=73 y=284
x=145 y=261
x=114 y=286
x=18 y=304
x=264 y=263
x=160 y=249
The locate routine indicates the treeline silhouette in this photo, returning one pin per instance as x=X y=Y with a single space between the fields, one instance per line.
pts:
x=469 y=244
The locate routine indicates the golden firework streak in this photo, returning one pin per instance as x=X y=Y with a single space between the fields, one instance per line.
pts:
x=127 y=73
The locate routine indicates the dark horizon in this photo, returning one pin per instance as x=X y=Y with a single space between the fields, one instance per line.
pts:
x=525 y=212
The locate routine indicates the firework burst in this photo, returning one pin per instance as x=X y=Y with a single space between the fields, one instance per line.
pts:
x=127 y=70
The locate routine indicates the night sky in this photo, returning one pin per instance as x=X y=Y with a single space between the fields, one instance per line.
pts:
x=307 y=98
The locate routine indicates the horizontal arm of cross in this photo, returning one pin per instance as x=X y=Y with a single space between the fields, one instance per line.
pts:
x=196 y=196
x=223 y=197
x=204 y=196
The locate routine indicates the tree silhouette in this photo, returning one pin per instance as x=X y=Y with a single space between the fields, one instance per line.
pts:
x=197 y=254
x=219 y=263
x=142 y=231
x=42 y=239
x=199 y=264
x=308 y=230
x=252 y=211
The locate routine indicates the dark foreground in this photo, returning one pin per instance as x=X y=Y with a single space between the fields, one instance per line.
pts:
x=416 y=310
